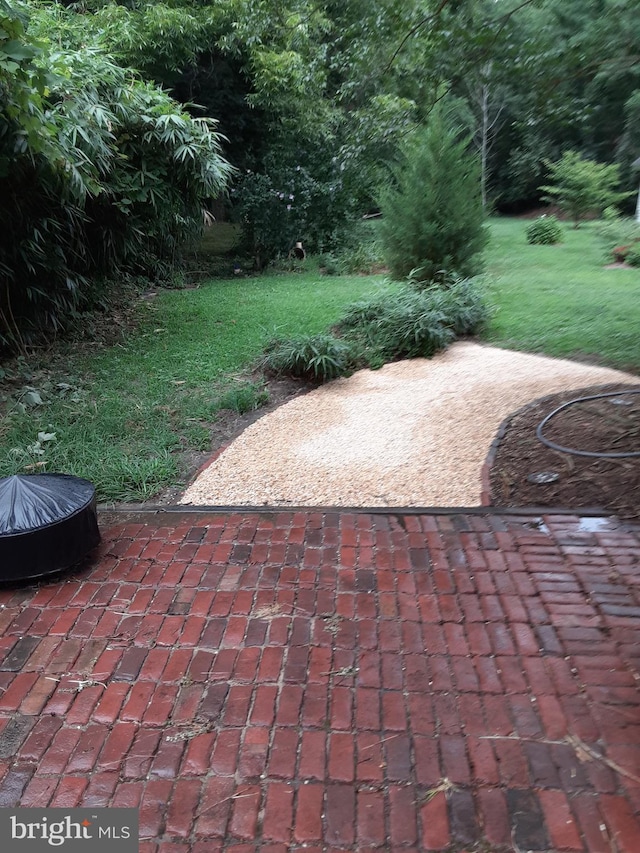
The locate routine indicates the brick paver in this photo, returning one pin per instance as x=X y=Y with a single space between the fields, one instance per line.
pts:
x=336 y=681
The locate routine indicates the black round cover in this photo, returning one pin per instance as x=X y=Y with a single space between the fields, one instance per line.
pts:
x=48 y=522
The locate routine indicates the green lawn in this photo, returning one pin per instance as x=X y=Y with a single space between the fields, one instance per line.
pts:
x=560 y=299
x=122 y=414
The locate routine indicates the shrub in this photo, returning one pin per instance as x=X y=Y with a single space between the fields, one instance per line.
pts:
x=285 y=202
x=330 y=264
x=581 y=186
x=362 y=251
x=611 y=214
x=633 y=256
x=363 y=258
x=389 y=326
x=317 y=358
x=408 y=327
x=433 y=219
x=544 y=231
x=463 y=306
x=618 y=235
x=413 y=323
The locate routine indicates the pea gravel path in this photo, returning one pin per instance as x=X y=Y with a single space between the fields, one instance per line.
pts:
x=415 y=433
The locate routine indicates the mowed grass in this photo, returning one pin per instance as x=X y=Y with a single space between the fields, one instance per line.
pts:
x=121 y=416
x=560 y=299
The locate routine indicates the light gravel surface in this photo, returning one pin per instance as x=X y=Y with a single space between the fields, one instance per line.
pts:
x=415 y=433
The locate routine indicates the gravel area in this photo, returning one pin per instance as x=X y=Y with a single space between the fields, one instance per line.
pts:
x=415 y=433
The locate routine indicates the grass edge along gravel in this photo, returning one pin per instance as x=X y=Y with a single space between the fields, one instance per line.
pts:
x=123 y=416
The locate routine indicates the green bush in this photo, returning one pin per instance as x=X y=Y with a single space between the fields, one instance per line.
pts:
x=463 y=306
x=582 y=186
x=545 y=230
x=413 y=323
x=362 y=251
x=618 y=235
x=433 y=221
x=330 y=264
x=390 y=326
x=363 y=258
x=317 y=358
x=633 y=256
x=287 y=202
x=408 y=327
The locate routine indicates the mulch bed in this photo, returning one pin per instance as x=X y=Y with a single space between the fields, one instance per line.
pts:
x=525 y=472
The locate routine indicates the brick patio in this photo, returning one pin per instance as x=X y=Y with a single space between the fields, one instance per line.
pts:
x=336 y=681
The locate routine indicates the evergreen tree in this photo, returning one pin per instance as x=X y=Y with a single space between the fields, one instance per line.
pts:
x=432 y=216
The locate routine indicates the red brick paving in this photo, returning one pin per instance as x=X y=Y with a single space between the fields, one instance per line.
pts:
x=335 y=681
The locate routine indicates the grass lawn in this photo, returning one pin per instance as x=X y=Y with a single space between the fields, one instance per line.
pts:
x=120 y=415
x=560 y=300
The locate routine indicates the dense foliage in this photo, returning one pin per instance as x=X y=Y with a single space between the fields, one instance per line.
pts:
x=334 y=87
x=100 y=173
x=409 y=322
x=415 y=322
x=316 y=358
x=281 y=206
x=581 y=187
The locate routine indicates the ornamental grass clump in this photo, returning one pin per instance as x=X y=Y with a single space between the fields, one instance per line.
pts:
x=316 y=358
x=413 y=323
x=410 y=322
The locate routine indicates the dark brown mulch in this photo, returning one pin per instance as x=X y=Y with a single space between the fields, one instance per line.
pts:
x=610 y=425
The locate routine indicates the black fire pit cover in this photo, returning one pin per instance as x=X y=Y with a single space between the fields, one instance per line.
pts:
x=48 y=522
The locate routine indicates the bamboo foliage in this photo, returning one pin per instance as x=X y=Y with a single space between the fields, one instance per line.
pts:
x=100 y=173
